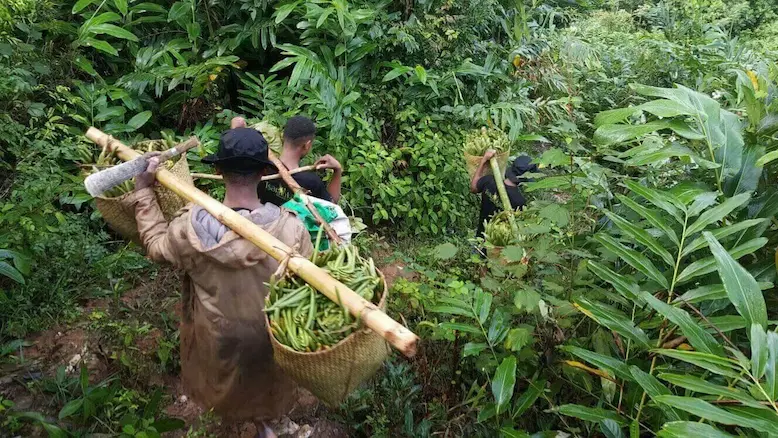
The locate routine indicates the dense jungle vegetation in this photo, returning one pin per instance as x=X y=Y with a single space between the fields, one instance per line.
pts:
x=635 y=301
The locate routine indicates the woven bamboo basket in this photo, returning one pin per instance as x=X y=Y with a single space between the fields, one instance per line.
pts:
x=121 y=217
x=332 y=374
x=471 y=162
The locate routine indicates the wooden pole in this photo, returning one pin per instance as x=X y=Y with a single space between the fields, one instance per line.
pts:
x=506 y=202
x=264 y=178
x=398 y=336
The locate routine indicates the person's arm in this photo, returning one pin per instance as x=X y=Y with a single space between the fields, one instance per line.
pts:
x=152 y=226
x=480 y=170
x=333 y=188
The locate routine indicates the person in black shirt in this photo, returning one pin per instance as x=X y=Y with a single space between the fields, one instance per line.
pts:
x=299 y=133
x=487 y=186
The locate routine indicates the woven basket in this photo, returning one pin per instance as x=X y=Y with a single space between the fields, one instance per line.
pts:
x=121 y=217
x=472 y=161
x=332 y=374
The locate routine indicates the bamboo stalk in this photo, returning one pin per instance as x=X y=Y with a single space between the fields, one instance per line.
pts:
x=264 y=178
x=506 y=202
x=398 y=336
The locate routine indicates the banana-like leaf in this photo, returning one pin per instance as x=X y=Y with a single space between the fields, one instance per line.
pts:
x=747 y=177
x=716 y=364
x=702 y=386
x=771 y=369
x=686 y=429
x=613 y=319
x=653 y=388
x=620 y=133
x=622 y=284
x=590 y=414
x=717 y=213
x=708 y=265
x=710 y=292
x=697 y=336
x=617 y=115
x=652 y=216
x=662 y=200
x=503 y=382
x=720 y=233
x=715 y=414
x=641 y=236
x=608 y=363
x=729 y=146
x=633 y=258
x=742 y=289
x=758 y=351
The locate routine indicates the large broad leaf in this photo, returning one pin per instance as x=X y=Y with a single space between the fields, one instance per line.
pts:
x=708 y=265
x=717 y=213
x=729 y=147
x=712 y=413
x=613 y=134
x=503 y=383
x=666 y=108
x=686 y=429
x=719 y=365
x=771 y=369
x=720 y=233
x=113 y=30
x=613 y=116
x=641 y=236
x=664 y=201
x=652 y=216
x=611 y=429
x=653 y=388
x=613 y=319
x=702 y=386
x=590 y=414
x=9 y=271
x=633 y=258
x=700 y=339
x=758 y=351
x=622 y=284
x=615 y=366
x=742 y=289
x=747 y=178
x=445 y=251
x=528 y=398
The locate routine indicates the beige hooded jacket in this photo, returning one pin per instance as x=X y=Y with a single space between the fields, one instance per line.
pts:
x=226 y=356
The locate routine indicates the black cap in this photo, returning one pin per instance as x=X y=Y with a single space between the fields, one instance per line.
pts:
x=521 y=165
x=242 y=150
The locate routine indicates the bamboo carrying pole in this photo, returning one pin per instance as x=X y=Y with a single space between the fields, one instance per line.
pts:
x=264 y=178
x=506 y=202
x=398 y=336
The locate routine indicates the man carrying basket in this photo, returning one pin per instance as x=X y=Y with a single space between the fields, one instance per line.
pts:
x=226 y=356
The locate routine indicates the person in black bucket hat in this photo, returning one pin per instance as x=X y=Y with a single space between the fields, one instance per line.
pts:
x=227 y=360
x=487 y=186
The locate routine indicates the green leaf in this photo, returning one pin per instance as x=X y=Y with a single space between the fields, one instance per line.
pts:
x=164 y=425
x=665 y=108
x=622 y=284
x=396 y=72
x=613 y=319
x=601 y=361
x=85 y=65
x=766 y=158
x=720 y=233
x=712 y=413
x=641 y=236
x=708 y=265
x=741 y=287
x=421 y=74
x=483 y=304
x=102 y=46
x=633 y=258
x=653 y=388
x=81 y=4
x=518 y=338
x=771 y=369
x=747 y=177
x=139 y=120
x=121 y=5
x=701 y=202
x=659 y=199
x=686 y=429
x=590 y=414
x=178 y=12
x=758 y=351
x=455 y=326
x=700 y=339
x=556 y=213
x=528 y=398
x=445 y=251
x=71 y=408
x=620 y=133
x=9 y=271
x=717 y=213
x=702 y=386
x=110 y=113
x=283 y=11
x=653 y=217
x=613 y=116
x=508 y=432
x=719 y=365
x=503 y=382
x=611 y=429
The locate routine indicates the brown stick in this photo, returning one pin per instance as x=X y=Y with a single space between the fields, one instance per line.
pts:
x=398 y=336
x=292 y=184
x=264 y=178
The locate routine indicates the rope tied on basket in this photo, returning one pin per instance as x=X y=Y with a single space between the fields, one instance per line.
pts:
x=281 y=271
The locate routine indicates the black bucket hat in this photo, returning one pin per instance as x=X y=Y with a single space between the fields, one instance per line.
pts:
x=242 y=150
x=521 y=165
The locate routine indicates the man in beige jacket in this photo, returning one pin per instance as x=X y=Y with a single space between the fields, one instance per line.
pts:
x=226 y=357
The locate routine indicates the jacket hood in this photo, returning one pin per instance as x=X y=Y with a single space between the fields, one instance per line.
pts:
x=216 y=241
